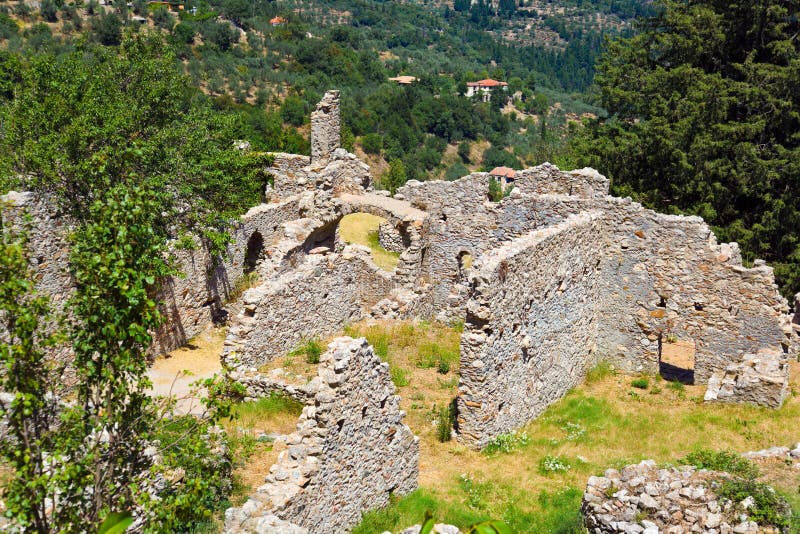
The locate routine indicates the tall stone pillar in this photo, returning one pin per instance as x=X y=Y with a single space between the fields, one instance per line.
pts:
x=325 y=127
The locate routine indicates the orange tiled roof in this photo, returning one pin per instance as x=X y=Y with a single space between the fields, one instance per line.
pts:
x=277 y=20
x=403 y=80
x=506 y=172
x=488 y=82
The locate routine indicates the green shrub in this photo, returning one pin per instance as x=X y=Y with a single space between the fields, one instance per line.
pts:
x=444 y=423
x=727 y=461
x=372 y=143
x=311 y=348
x=640 y=383
x=196 y=448
x=769 y=508
x=443 y=367
x=399 y=377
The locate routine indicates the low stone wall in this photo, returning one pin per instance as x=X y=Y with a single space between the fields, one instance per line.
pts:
x=316 y=299
x=645 y=499
x=548 y=179
x=355 y=421
x=530 y=326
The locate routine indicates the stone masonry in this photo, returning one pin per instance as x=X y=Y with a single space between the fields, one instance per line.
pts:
x=332 y=289
x=530 y=326
x=643 y=499
x=761 y=378
x=350 y=452
x=325 y=127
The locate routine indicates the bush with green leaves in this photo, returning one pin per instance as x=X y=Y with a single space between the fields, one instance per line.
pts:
x=312 y=349
x=640 y=383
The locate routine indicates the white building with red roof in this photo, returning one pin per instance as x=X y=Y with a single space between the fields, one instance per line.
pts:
x=485 y=88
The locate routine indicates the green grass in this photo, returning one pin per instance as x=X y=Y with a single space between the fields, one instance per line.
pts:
x=640 y=383
x=362 y=229
x=251 y=414
x=602 y=370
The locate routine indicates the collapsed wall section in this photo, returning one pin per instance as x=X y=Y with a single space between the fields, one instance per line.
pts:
x=355 y=421
x=530 y=326
x=316 y=299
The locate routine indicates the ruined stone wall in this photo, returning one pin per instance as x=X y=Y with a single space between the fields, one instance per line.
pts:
x=316 y=299
x=291 y=175
x=462 y=220
x=351 y=450
x=191 y=301
x=196 y=299
x=667 y=275
x=325 y=127
x=530 y=327
x=48 y=246
x=547 y=179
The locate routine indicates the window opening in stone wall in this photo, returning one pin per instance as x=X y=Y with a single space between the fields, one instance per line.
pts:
x=676 y=358
x=464 y=264
x=255 y=247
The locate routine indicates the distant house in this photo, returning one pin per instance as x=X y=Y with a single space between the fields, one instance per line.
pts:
x=403 y=80
x=485 y=88
x=505 y=175
x=277 y=21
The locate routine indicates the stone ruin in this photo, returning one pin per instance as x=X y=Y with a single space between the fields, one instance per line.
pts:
x=350 y=452
x=643 y=499
x=555 y=277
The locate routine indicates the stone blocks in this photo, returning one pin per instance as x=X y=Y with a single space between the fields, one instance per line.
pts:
x=761 y=379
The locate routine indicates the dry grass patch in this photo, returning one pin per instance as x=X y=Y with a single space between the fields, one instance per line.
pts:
x=362 y=229
x=251 y=431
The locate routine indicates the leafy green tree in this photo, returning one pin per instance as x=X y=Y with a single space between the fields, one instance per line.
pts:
x=464 y=151
x=32 y=379
x=107 y=29
x=162 y=18
x=704 y=108
x=394 y=177
x=116 y=259
x=372 y=143
x=293 y=110
x=49 y=10
x=94 y=132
